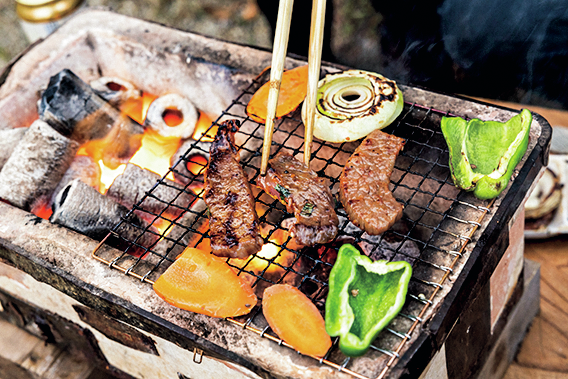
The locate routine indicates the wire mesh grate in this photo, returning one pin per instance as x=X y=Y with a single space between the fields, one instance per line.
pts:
x=438 y=222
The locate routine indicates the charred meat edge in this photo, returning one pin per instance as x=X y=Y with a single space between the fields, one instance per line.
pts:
x=233 y=222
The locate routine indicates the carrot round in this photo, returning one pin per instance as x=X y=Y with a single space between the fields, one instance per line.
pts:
x=292 y=92
x=203 y=283
x=295 y=319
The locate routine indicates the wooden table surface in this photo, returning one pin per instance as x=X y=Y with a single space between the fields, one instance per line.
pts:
x=544 y=351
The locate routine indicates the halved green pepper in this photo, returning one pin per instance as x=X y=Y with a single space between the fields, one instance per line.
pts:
x=364 y=296
x=483 y=154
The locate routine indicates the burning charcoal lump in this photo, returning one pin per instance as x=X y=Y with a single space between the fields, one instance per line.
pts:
x=54 y=168
x=115 y=90
x=181 y=110
x=36 y=166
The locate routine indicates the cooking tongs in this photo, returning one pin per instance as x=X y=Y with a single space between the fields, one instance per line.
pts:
x=278 y=59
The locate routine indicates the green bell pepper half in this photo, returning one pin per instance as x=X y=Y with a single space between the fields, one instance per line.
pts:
x=364 y=296
x=483 y=154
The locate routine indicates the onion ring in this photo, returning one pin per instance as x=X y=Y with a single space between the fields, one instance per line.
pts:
x=352 y=104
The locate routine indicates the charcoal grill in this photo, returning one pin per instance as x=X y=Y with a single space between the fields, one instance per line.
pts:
x=454 y=241
x=438 y=222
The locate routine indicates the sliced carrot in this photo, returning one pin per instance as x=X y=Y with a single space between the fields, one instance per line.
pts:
x=292 y=92
x=203 y=283
x=295 y=319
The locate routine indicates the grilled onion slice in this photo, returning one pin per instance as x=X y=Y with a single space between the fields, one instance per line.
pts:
x=352 y=104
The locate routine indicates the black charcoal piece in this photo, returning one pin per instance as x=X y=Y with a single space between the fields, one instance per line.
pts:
x=82 y=167
x=82 y=208
x=36 y=166
x=167 y=198
x=74 y=109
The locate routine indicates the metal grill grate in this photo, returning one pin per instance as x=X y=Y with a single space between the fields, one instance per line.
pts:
x=438 y=222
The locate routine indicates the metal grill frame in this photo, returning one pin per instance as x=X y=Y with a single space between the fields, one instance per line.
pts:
x=424 y=302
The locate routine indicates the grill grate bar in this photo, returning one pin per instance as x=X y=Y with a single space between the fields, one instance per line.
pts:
x=436 y=290
x=438 y=222
x=392 y=354
x=398 y=334
x=410 y=317
x=262 y=333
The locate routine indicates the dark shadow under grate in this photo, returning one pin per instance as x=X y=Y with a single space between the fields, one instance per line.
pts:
x=438 y=221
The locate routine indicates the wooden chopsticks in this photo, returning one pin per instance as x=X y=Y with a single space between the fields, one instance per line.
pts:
x=278 y=59
x=314 y=63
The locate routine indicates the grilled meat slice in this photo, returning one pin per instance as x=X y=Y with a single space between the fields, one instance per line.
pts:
x=233 y=222
x=364 y=183
x=304 y=194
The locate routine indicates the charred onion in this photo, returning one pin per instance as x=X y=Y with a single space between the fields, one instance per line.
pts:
x=352 y=104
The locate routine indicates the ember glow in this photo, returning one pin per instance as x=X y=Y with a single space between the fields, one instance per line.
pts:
x=44 y=211
x=137 y=109
x=268 y=260
x=268 y=252
x=270 y=257
x=196 y=164
x=156 y=152
x=203 y=123
x=164 y=225
x=108 y=175
x=198 y=189
x=172 y=117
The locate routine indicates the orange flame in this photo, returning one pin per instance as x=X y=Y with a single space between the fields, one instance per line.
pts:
x=271 y=253
x=196 y=164
x=261 y=261
x=203 y=123
x=172 y=117
x=198 y=189
x=137 y=109
x=156 y=152
x=108 y=175
x=163 y=225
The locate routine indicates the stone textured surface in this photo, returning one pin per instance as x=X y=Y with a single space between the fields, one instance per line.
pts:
x=354 y=39
x=69 y=253
x=235 y=20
